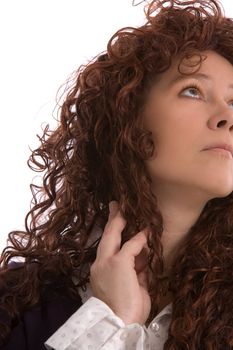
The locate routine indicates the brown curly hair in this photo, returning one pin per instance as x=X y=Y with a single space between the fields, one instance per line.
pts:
x=96 y=154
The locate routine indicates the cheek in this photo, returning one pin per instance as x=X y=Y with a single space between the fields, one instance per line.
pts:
x=171 y=161
x=175 y=134
x=174 y=144
x=174 y=153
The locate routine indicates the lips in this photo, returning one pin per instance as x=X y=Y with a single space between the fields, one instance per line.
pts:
x=224 y=146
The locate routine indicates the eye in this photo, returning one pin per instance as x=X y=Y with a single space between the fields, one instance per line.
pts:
x=231 y=102
x=194 y=88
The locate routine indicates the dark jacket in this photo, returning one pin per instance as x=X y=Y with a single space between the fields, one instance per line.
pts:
x=39 y=323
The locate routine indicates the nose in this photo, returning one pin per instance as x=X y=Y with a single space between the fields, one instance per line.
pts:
x=222 y=118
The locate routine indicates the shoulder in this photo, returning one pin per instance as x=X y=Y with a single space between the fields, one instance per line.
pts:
x=36 y=324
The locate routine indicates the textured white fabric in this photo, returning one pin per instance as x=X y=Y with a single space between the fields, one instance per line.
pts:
x=95 y=326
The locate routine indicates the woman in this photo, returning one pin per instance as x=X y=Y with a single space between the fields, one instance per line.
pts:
x=148 y=128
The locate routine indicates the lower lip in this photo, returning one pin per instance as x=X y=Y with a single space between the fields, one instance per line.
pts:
x=221 y=151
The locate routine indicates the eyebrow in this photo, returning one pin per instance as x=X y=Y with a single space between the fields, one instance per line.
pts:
x=201 y=76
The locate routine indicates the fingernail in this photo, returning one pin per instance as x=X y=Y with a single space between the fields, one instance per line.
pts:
x=112 y=206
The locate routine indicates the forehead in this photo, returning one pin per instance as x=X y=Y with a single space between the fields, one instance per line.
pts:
x=206 y=65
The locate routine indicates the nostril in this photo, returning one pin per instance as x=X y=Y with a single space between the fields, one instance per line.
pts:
x=221 y=123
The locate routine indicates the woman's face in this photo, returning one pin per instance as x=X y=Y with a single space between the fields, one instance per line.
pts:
x=186 y=114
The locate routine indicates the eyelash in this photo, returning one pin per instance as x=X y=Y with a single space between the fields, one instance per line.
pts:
x=192 y=85
x=195 y=86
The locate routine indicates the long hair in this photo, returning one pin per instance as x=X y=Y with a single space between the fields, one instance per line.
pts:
x=97 y=154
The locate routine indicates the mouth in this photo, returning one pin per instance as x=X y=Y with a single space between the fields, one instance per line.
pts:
x=221 y=148
x=221 y=151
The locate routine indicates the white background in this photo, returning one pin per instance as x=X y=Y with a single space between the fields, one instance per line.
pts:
x=41 y=43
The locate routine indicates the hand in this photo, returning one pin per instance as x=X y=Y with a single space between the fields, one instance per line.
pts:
x=118 y=277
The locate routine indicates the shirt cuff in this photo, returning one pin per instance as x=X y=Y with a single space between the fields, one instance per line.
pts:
x=94 y=322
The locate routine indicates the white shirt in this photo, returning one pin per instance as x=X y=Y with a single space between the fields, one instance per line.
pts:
x=95 y=326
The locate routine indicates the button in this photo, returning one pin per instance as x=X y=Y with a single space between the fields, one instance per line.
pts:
x=155 y=326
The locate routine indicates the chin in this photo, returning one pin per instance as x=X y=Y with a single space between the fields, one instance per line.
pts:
x=221 y=192
x=216 y=189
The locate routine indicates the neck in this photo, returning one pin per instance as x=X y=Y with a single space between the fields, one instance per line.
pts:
x=180 y=210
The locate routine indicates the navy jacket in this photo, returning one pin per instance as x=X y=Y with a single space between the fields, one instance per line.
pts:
x=40 y=322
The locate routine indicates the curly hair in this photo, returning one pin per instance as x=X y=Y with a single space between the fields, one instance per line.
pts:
x=97 y=154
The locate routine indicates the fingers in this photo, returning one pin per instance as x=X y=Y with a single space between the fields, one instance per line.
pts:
x=135 y=245
x=111 y=239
